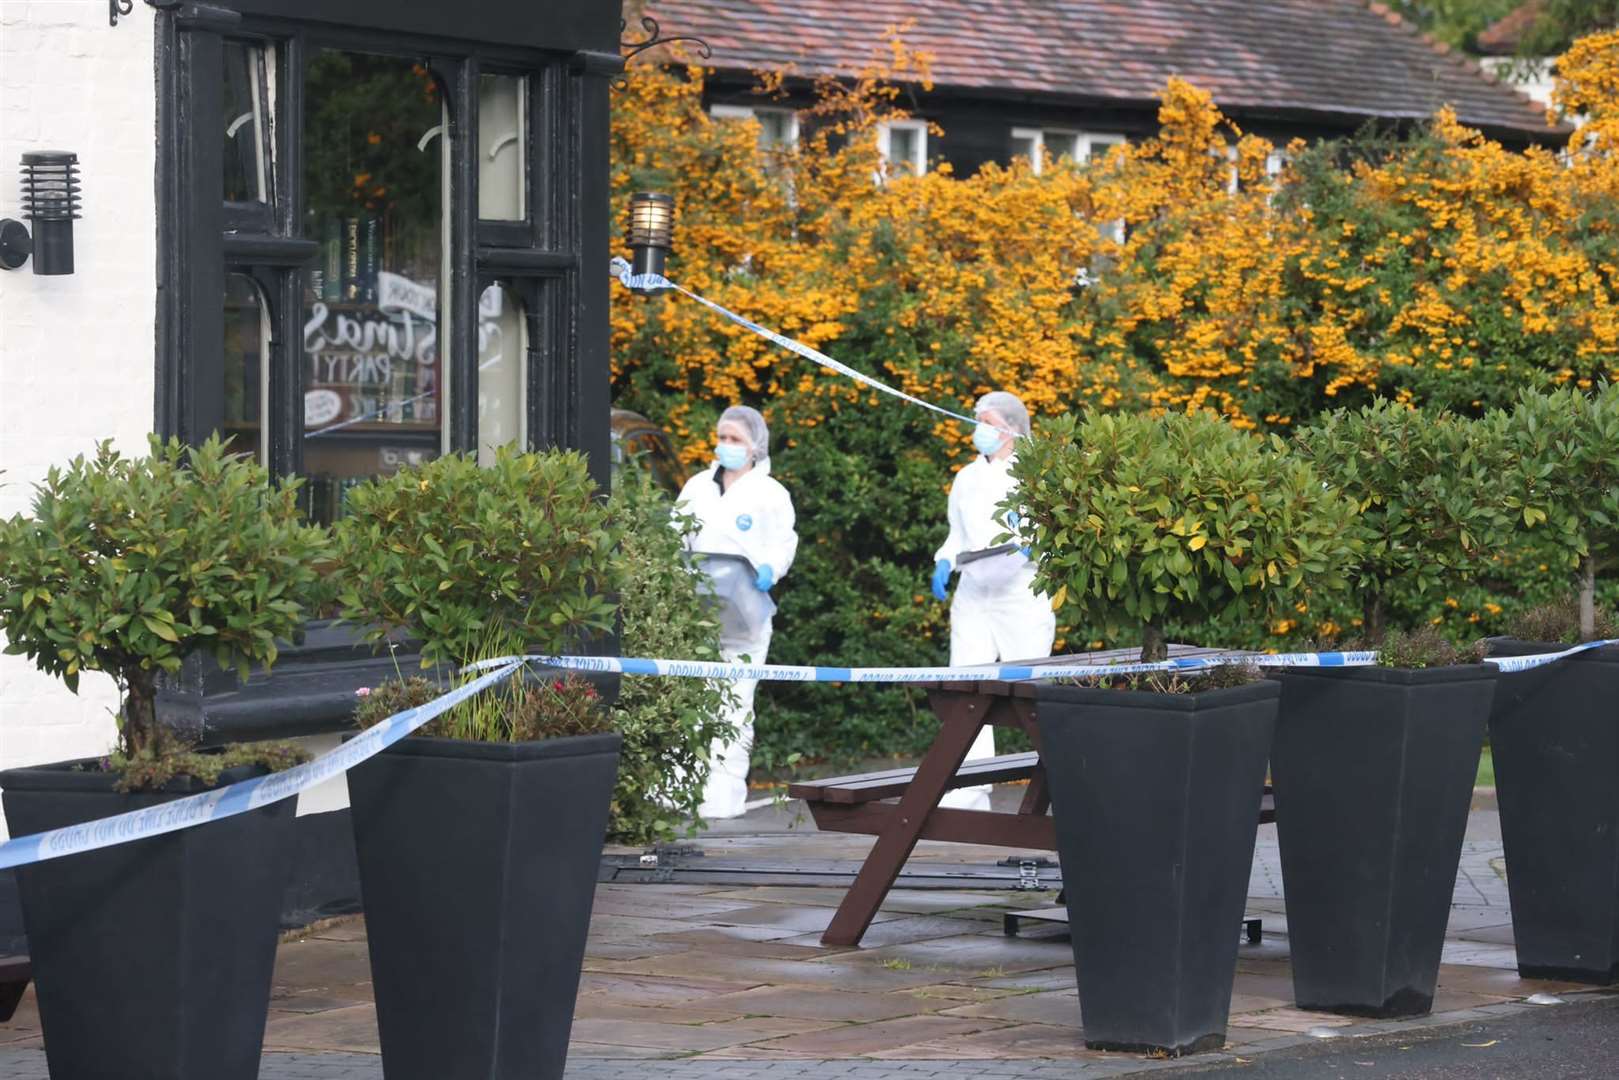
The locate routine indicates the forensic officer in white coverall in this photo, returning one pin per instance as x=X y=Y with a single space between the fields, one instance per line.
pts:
x=741 y=510
x=996 y=617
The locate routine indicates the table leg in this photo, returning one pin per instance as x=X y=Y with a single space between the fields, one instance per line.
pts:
x=1037 y=799
x=960 y=718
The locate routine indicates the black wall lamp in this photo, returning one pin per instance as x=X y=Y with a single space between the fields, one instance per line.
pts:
x=50 y=199
x=652 y=231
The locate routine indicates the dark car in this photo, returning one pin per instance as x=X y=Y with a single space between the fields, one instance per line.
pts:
x=636 y=437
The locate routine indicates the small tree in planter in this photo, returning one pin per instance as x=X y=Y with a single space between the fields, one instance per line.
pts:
x=1174 y=519
x=1161 y=520
x=1428 y=495
x=125 y=566
x=503 y=823
x=1374 y=766
x=1551 y=728
x=1565 y=449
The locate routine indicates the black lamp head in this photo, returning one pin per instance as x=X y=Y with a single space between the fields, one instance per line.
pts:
x=50 y=199
x=652 y=230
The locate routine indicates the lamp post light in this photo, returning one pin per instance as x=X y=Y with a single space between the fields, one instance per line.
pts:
x=50 y=199
x=652 y=228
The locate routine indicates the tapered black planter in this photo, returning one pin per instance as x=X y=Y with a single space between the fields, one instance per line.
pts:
x=1554 y=735
x=1156 y=798
x=152 y=959
x=1373 y=774
x=478 y=866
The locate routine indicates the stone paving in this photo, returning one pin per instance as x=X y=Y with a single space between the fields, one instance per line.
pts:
x=714 y=980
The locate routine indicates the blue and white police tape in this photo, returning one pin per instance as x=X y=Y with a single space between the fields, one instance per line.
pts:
x=1524 y=663
x=728 y=670
x=263 y=790
x=659 y=283
x=710 y=669
x=241 y=797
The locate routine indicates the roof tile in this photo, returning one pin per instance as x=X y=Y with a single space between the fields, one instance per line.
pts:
x=1329 y=56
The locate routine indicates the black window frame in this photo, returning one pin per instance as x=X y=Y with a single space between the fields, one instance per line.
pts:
x=553 y=260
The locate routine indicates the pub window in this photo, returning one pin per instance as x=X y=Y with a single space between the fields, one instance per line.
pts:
x=246 y=367
x=374 y=242
x=249 y=138
x=374 y=171
x=502 y=365
x=502 y=147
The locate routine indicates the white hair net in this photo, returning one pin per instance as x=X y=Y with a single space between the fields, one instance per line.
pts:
x=754 y=424
x=1010 y=408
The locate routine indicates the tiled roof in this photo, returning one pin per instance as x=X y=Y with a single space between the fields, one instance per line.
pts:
x=1316 y=56
x=1501 y=37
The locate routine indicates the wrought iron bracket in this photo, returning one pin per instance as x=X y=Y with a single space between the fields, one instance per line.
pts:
x=116 y=8
x=633 y=49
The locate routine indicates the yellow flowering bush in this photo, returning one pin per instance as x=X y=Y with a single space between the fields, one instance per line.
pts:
x=1202 y=269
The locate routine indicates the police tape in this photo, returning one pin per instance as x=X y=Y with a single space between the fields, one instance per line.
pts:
x=240 y=797
x=657 y=283
x=261 y=791
x=732 y=670
x=1511 y=664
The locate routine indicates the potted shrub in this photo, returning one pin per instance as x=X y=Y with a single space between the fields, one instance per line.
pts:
x=1374 y=766
x=1163 y=521
x=153 y=958
x=1552 y=729
x=668 y=725
x=480 y=837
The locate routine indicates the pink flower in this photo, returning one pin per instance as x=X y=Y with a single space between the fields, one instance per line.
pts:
x=364 y=691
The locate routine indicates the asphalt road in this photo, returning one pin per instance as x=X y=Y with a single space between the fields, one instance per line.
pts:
x=1573 y=1041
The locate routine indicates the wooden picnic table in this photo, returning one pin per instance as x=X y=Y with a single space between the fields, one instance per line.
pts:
x=862 y=803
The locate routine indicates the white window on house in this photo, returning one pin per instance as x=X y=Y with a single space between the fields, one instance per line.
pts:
x=903 y=145
x=778 y=128
x=1047 y=146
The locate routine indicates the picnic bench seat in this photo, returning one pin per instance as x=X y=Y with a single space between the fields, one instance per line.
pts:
x=15 y=971
x=891 y=783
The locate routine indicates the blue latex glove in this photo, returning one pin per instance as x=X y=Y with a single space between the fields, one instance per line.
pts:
x=765 y=578
x=941 y=579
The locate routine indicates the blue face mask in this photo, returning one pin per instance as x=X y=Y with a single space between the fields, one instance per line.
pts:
x=987 y=439
x=730 y=455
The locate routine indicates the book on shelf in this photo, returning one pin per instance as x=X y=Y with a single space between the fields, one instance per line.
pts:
x=353 y=287
x=331 y=256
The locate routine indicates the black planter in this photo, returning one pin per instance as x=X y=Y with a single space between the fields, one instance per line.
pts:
x=1156 y=799
x=1373 y=774
x=152 y=959
x=1554 y=734
x=478 y=866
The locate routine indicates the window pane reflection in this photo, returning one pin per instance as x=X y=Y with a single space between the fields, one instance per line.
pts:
x=373 y=379
x=502 y=147
x=501 y=362
x=245 y=371
x=247 y=128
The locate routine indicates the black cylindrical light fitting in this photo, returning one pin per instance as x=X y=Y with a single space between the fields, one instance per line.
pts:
x=50 y=199
x=652 y=230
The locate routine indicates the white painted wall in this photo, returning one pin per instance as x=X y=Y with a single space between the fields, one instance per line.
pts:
x=76 y=352
x=1532 y=78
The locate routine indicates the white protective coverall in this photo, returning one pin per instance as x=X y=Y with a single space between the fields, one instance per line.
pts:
x=995 y=616
x=754 y=519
